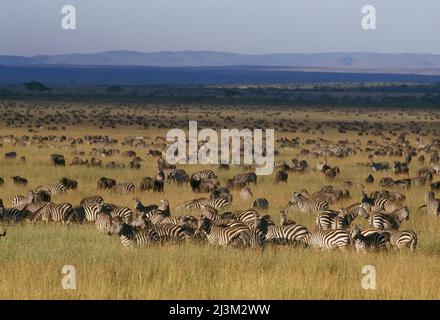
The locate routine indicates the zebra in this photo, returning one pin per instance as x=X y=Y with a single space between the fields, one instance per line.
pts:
x=247 y=216
x=372 y=241
x=203 y=174
x=386 y=205
x=403 y=239
x=389 y=221
x=171 y=232
x=91 y=211
x=91 y=200
x=53 y=188
x=218 y=235
x=157 y=215
x=330 y=219
x=11 y=214
x=303 y=205
x=432 y=204
x=197 y=204
x=124 y=187
x=124 y=213
x=19 y=201
x=261 y=203
x=103 y=222
x=246 y=194
x=134 y=236
x=329 y=239
x=254 y=237
x=248 y=177
x=54 y=212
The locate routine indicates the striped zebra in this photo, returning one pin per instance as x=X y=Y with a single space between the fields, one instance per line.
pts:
x=218 y=235
x=254 y=237
x=127 y=187
x=329 y=239
x=422 y=180
x=387 y=205
x=330 y=219
x=248 y=177
x=11 y=214
x=54 y=212
x=197 y=204
x=389 y=221
x=203 y=174
x=91 y=211
x=246 y=194
x=287 y=233
x=303 y=205
x=364 y=242
x=104 y=222
x=133 y=236
x=432 y=204
x=53 y=188
x=248 y=216
x=403 y=239
x=261 y=203
x=19 y=201
x=91 y=200
x=171 y=232
x=124 y=213
x=157 y=215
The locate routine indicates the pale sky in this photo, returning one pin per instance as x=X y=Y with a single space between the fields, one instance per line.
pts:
x=242 y=26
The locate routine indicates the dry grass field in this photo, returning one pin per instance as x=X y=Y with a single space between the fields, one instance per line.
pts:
x=32 y=255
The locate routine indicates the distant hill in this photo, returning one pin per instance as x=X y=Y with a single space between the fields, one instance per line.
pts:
x=361 y=62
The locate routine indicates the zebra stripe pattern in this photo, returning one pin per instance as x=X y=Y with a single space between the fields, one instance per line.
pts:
x=199 y=203
x=370 y=241
x=53 y=188
x=303 y=205
x=124 y=187
x=330 y=239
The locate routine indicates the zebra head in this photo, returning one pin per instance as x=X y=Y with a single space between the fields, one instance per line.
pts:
x=164 y=205
x=355 y=233
x=402 y=214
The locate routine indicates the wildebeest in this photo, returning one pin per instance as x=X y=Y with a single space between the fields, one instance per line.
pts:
x=58 y=159
x=19 y=180
x=69 y=183
x=281 y=176
x=156 y=184
x=10 y=155
x=106 y=183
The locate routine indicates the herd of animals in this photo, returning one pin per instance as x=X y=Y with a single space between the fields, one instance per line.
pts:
x=206 y=217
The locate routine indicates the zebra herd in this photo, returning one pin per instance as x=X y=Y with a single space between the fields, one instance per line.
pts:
x=154 y=223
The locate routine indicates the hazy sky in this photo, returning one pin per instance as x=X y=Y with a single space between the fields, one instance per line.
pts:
x=243 y=26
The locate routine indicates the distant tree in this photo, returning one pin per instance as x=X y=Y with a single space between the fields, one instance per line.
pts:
x=36 y=86
x=113 y=89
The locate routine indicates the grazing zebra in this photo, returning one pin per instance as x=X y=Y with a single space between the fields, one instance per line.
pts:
x=329 y=239
x=19 y=202
x=246 y=194
x=203 y=174
x=255 y=237
x=247 y=216
x=91 y=200
x=248 y=177
x=218 y=235
x=330 y=219
x=54 y=212
x=53 y=188
x=303 y=205
x=103 y=222
x=124 y=187
x=133 y=236
x=389 y=221
x=199 y=203
x=91 y=211
x=372 y=241
x=432 y=204
x=124 y=213
x=386 y=205
x=157 y=215
x=171 y=232
x=403 y=239
x=11 y=214
x=261 y=203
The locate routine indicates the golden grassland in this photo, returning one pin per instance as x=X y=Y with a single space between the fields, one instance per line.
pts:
x=32 y=256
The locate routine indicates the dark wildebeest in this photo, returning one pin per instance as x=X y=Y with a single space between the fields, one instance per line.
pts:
x=58 y=160
x=19 y=180
x=69 y=183
x=11 y=155
x=106 y=183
